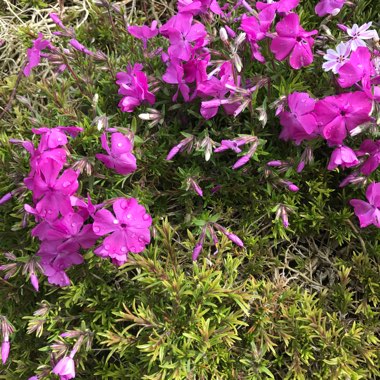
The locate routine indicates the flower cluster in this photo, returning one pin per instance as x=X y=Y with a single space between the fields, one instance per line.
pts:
x=63 y=218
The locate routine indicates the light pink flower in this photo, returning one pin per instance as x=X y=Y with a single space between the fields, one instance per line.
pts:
x=359 y=34
x=336 y=58
x=65 y=368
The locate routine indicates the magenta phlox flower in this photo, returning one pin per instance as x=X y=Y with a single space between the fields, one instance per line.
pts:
x=280 y=6
x=144 y=32
x=371 y=149
x=216 y=88
x=175 y=75
x=184 y=36
x=292 y=40
x=196 y=7
x=56 y=258
x=54 y=137
x=69 y=229
x=336 y=58
x=195 y=69
x=358 y=68
x=127 y=229
x=52 y=193
x=340 y=114
x=34 y=53
x=255 y=30
x=342 y=156
x=134 y=86
x=329 y=7
x=38 y=160
x=368 y=212
x=299 y=123
x=120 y=157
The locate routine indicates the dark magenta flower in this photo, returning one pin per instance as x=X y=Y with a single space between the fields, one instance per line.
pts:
x=340 y=114
x=120 y=157
x=299 y=122
x=368 y=212
x=55 y=259
x=329 y=7
x=371 y=149
x=342 y=156
x=127 y=230
x=34 y=53
x=292 y=40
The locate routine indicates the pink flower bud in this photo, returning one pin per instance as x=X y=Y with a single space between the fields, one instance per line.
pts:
x=300 y=166
x=173 y=152
x=196 y=188
x=56 y=20
x=235 y=239
x=274 y=163
x=5 y=348
x=34 y=281
x=293 y=187
x=241 y=161
x=197 y=250
x=5 y=198
x=223 y=34
x=230 y=32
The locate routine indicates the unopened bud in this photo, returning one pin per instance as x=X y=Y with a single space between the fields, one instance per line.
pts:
x=223 y=34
